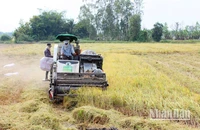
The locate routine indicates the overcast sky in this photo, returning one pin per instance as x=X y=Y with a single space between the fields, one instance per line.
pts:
x=186 y=12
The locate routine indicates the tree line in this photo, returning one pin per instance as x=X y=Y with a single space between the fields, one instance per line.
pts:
x=102 y=20
x=98 y=20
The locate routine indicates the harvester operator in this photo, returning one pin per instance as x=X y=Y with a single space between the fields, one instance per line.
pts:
x=67 y=50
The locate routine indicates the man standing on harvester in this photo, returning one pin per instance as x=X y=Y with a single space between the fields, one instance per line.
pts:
x=67 y=50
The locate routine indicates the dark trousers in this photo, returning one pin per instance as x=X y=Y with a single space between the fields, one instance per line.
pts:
x=67 y=57
x=46 y=76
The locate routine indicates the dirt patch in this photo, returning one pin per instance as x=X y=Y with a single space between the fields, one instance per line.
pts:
x=9 y=93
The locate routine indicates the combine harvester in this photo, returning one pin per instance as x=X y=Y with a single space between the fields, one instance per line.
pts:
x=84 y=71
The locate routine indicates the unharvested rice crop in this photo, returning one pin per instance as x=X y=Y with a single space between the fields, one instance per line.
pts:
x=141 y=77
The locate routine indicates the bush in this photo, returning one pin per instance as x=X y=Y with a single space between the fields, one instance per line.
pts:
x=5 y=37
x=51 y=38
x=24 y=37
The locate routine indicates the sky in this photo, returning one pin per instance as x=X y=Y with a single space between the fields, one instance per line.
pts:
x=186 y=12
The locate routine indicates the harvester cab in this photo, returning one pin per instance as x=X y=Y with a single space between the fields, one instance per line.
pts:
x=85 y=70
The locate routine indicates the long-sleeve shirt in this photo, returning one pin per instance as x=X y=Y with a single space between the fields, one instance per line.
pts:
x=67 y=50
x=47 y=53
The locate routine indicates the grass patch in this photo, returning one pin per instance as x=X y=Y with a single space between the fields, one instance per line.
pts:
x=45 y=119
x=88 y=117
x=30 y=106
x=88 y=114
x=145 y=124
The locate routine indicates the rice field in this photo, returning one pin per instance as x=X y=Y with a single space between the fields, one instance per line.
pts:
x=141 y=77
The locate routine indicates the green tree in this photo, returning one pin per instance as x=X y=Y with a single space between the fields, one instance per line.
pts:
x=196 y=32
x=23 y=32
x=135 y=27
x=123 y=30
x=44 y=27
x=111 y=18
x=108 y=23
x=87 y=19
x=86 y=13
x=143 y=36
x=157 y=32
x=5 y=37
x=123 y=10
x=166 y=32
x=68 y=26
x=48 y=23
x=138 y=6
x=117 y=31
x=182 y=34
x=92 y=32
x=80 y=29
